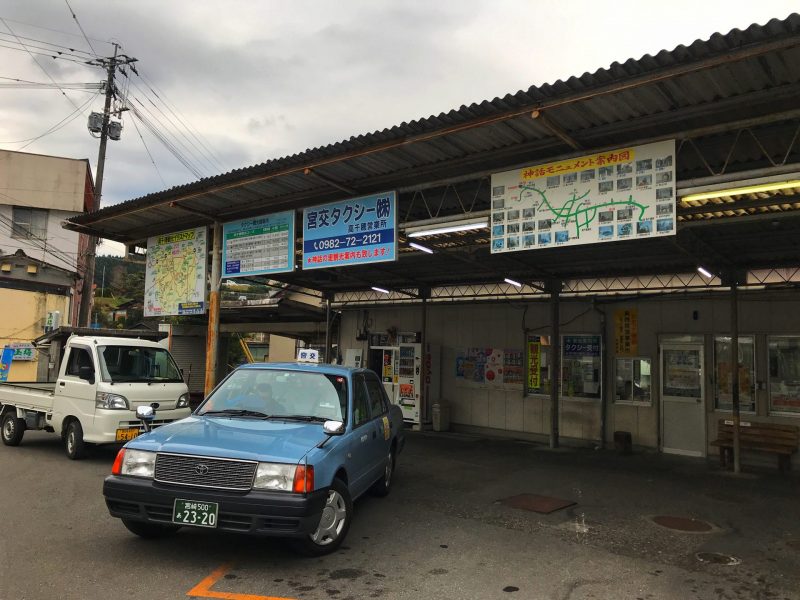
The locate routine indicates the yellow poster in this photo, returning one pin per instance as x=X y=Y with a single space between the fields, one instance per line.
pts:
x=534 y=365
x=626 y=332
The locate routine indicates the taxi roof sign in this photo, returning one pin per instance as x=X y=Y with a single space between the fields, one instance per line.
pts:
x=308 y=356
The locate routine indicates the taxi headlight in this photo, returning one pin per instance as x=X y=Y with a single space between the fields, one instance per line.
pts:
x=138 y=463
x=183 y=401
x=274 y=476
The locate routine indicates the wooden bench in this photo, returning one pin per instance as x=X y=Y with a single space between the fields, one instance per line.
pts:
x=772 y=438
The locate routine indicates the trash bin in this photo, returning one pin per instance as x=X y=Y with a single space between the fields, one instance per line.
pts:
x=440 y=415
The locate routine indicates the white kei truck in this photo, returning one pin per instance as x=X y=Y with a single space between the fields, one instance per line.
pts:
x=101 y=382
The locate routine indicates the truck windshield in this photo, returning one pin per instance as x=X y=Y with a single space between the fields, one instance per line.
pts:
x=120 y=364
x=276 y=393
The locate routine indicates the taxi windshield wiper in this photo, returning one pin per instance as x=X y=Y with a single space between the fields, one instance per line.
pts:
x=236 y=412
x=299 y=418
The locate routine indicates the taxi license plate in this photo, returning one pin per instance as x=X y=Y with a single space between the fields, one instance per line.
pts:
x=192 y=512
x=125 y=435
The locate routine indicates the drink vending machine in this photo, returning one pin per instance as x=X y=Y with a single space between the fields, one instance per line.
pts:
x=401 y=370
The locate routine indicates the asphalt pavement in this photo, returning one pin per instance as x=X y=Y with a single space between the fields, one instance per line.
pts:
x=440 y=534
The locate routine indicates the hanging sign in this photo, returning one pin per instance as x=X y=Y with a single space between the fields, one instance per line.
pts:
x=534 y=365
x=617 y=195
x=259 y=245
x=5 y=362
x=23 y=350
x=175 y=275
x=626 y=332
x=351 y=232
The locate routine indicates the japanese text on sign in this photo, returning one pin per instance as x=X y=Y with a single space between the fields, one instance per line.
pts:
x=576 y=346
x=354 y=231
x=626 y=330
x=259 y=245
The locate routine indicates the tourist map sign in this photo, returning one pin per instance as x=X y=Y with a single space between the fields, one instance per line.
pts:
x=351 y=232
x=617 y=195
x=175 y=275
x=259 y=245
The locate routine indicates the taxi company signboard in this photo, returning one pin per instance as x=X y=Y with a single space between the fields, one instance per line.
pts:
x=351 y=232
x=617 y=195
x=259 y=245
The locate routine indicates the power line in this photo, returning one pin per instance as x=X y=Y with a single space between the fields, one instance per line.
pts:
x=71 y=51
x=62 y=123
x=78 y=23
x=34 y=52
x=164 y=183
x=54 y=30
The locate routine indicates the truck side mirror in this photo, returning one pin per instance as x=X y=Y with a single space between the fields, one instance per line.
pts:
x=86 y=373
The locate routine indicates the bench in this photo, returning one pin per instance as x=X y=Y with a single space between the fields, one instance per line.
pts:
x=773 y=438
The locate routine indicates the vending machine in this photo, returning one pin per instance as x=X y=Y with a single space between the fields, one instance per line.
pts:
x=415 y=393
x=384 y=361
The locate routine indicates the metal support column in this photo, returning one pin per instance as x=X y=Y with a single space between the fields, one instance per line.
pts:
x=735 y=372
x=555 y=360
x=425 y=409
x=212 y=336
x=327 y=328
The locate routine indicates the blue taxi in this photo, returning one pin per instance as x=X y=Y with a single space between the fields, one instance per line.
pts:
x=277 y=449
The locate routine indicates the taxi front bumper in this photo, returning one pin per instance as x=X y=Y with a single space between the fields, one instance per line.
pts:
x=257 y=512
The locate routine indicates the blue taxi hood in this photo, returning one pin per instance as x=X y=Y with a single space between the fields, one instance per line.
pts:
x=238 y=438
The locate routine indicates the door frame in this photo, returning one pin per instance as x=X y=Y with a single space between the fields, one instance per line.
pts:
x=698 y=345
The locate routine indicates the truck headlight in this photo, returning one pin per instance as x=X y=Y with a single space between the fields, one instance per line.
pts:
x=183 y=401
x=110 y=401
x=274 y=476
x=138 y=463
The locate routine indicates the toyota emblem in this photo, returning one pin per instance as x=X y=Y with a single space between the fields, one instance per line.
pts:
x=201 y=469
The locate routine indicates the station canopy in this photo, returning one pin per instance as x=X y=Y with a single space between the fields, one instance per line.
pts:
x=729 y=102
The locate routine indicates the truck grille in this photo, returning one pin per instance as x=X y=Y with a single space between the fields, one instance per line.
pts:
x=202 y=471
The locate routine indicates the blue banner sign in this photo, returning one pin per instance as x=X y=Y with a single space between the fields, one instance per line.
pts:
x=578 y=346
x=351 y=232
x=259 y=245
x=5 y=362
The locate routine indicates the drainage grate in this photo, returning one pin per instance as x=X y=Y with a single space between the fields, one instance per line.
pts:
x=683 y=524
x=717 y=558
x=539 y=504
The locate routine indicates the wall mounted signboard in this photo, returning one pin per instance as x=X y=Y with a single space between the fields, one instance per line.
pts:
x=258 y=245
x=621 y=194
x=350 y=232
x=175 y=275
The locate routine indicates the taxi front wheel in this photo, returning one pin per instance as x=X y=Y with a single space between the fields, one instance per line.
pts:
x=333 y=524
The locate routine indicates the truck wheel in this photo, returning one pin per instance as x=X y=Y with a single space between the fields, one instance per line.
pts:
x=73 y=441
x=333 y=525
x=384 y=484
x=149 y=531
x=13 y=428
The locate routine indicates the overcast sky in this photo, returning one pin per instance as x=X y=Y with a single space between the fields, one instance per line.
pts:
x=255 y=80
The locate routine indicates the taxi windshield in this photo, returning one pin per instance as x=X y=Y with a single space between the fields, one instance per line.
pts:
x=277 y=393
x=137 y=363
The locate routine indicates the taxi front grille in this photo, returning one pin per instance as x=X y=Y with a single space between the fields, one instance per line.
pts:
x=206 y=472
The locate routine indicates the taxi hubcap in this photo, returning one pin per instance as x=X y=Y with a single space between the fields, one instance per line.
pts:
x=334 y=516
x=387 y=478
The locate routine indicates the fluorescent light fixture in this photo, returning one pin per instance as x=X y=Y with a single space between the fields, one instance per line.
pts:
x=381 y=290
x=704 y=272
x=464 y=225
x=512 y=282
x=420 y=247
x=748 y=189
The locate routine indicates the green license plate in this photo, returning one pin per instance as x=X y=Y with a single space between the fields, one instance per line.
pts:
x=194 y=512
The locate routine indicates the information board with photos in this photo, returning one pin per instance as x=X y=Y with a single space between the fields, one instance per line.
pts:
x=621 y=194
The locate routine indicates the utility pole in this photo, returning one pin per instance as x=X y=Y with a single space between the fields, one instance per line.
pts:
x=111 y=65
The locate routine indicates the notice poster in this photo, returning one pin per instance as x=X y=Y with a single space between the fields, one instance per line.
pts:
x=513 y=368
x=460 y=363
x=622 y=194
x=259 y=245
x=493 y=373
x=475 y=365
x=351 y=232
x=175 y=274
x=626 y=332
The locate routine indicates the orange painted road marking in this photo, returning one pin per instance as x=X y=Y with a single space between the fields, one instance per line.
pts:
x=203 y=589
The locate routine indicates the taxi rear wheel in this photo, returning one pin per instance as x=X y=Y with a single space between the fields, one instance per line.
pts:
x=333 y=524
x=383 y=485
x=149 y=531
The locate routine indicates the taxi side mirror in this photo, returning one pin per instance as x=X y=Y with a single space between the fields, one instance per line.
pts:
x=145 y=414
x=333 y=427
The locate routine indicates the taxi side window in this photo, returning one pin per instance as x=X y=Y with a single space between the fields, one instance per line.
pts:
x=78 y=357
x=377 y=400
x=360 y=401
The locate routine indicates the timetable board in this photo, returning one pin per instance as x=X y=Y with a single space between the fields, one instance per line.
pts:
x=259 y=245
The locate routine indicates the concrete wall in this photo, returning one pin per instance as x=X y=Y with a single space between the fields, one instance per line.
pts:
x=40 y=181
x=504 y=409
x=60 y=249
x=25 y=314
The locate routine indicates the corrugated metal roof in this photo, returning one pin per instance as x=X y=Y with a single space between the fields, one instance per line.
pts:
x=706 y=94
